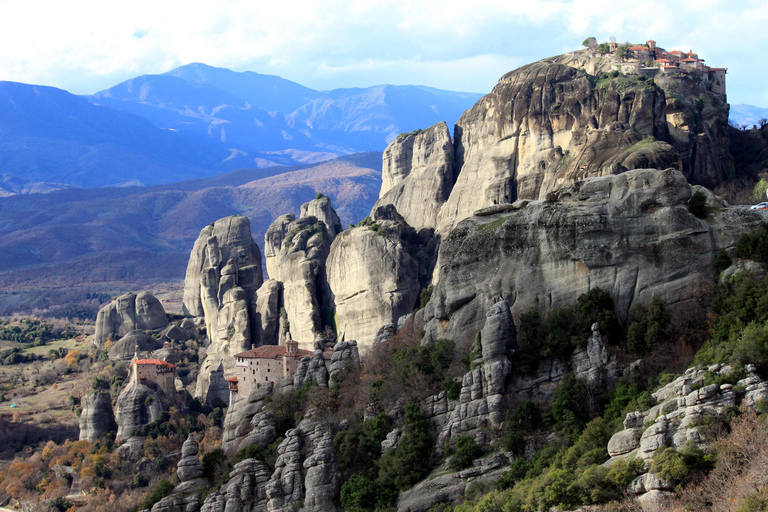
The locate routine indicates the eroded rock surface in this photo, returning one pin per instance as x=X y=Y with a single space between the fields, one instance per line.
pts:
x=296 y=252
x=629 y=234
x=96 y=418
x=223 y=276
x=124 y=348
x=138 y=405
x=417 y=175
x=129 y=312
x=374 y=280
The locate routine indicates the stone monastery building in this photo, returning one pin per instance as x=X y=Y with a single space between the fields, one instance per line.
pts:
x=650 y=59
x=162 y=373
x=266 y=365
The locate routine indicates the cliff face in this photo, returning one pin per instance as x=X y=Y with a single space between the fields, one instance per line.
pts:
x=223 y=276
x=97 y=417
x=547 y=125
x=373 y=278
x=630 y=234
x=296 y=250
x=417 y=175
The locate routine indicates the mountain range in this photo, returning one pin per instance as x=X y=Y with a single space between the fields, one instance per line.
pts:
x=197 y=121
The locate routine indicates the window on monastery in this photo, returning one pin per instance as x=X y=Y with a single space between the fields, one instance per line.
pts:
x=268 y=370
x=266 y=379
x=254 y=372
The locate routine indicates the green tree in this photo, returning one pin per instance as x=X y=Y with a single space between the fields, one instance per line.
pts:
x=589 y=42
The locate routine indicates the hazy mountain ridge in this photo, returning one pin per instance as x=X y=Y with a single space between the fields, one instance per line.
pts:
x=137 y=234
x=197 y=121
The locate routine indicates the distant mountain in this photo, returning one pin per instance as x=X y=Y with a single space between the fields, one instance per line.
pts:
x=197 y=121
x=747 y=114
x=50 y=135
x=97 y=239
x=253 y=116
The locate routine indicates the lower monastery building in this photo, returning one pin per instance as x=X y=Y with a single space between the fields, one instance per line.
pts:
x=266 y=365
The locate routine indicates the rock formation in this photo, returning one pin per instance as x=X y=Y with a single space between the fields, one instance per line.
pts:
x=480 y=405
x=345 y=357
x=678 y=418
x=138 y=405
x=124 y=348
x=373 y=278
x=185 y=496
x=311 y=369
x=547 y=125
x=417 y=175
x=129 y=312
x=248 y=423
x=629 y=234
x=96 y=418
x=223 y=276
x=296 y=251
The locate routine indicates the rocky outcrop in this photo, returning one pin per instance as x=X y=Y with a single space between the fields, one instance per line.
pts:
x=124 y=348
x=138 y=405
x=296 y=251
x=322 y=481
x=285 y=487
x=96 y=418
x=321 y=209
x=449 y=488
x=683 y=409
x=373 y=278
x=630 y=234
x=185 y=496
x=223 y=276
x=129 y=312
x=417 y=175
x=345 y=357
x=311 y=369
x=247 y=422
x=481 y=402
x=245 y=489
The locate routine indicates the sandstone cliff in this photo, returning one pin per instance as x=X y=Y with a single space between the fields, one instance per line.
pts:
x=127 y=313
x=417 y=175
x=223 y=276
x=296 y=251
x=630 y=234
x=373 y=278
x=547 y=125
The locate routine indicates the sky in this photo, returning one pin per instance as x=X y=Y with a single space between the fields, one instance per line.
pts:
x=85 y=46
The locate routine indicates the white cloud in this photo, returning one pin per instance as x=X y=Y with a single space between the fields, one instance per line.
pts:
x=85 y=45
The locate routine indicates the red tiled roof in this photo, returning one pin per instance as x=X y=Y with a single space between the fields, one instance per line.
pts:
x=662 y=60
x=638 y=48
x=677 y=52
x=232 y=379
x=690 y=60
x=269 y=352
x=718 y=69
x=155 y=362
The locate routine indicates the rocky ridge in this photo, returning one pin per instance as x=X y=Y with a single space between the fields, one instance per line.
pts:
x=679 y=418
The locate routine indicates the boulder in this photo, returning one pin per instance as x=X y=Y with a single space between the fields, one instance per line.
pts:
x=96 y=418
x=189 y=467
x=138 y=405
x=127 y=313
x=125 y=348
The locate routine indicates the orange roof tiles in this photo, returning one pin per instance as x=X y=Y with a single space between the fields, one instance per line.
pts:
x=662 y=60
x=269 y=352
x=638 y=48
x=155 y=362
x=677 y=52
x=690 y=60
x=232 y=379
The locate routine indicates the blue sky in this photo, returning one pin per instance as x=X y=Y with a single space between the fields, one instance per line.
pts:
x=85 y=46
